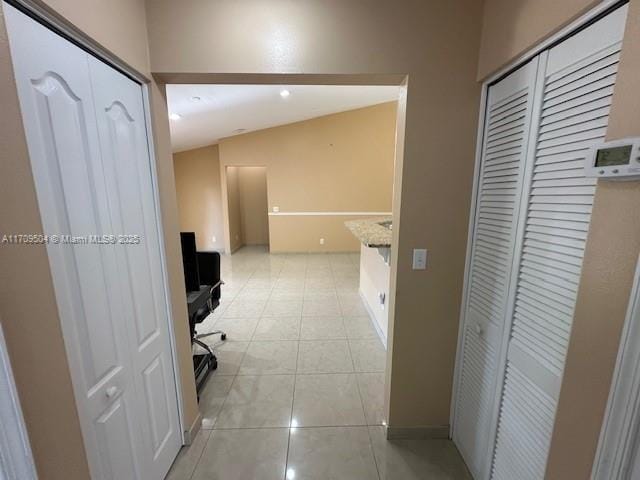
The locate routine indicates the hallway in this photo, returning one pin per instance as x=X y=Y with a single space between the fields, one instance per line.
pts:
x=298 y=392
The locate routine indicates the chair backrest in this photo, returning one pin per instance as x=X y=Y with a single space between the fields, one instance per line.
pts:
x=209 y=269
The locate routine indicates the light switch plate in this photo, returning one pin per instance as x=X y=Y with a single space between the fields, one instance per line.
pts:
x=419 y=258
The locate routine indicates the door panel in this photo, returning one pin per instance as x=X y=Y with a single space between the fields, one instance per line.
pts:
x=505 y=145
x=578 y=83
x=112 y=427
x=123 y=144
x=52 y=77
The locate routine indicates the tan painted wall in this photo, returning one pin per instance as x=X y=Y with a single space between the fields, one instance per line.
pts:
x=436 y=45
x=510 y=28
x=234 y=215
x=199 y=195
x=339 y=162
x=117 y=25
x=613 y=243
x=252 y=188
x=45 y=386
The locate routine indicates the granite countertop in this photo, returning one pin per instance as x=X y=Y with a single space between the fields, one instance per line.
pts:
x=370 y=232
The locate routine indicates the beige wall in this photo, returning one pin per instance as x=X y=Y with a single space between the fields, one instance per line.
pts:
x=339 y=162
x=613 y=243
x=199 y=193
x=510 y=28
x=435 y=44
x=252 y=188
x=234 y=216
x=45 y=385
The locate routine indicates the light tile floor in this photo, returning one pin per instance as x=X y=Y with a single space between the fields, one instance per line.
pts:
x=298 y=393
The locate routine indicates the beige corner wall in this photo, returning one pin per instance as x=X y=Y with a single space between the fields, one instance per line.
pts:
x=231 y=193
x=252 y=189
x=199 y=194
x=335 y=163
x=613 y=244
x=511 y=27
x=435 y=44
x=33 y=334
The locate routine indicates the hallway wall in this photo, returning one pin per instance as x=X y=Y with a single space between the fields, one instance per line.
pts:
x=199 y=196
x=431 y=48
x=233 y=209
x=341 y=162
x=252 y=186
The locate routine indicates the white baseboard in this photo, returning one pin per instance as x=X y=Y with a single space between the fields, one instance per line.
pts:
x=190 y=435
x=372 y=317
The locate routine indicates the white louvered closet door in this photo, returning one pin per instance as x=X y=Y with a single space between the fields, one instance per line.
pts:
x=578 y=80
x=509 y=105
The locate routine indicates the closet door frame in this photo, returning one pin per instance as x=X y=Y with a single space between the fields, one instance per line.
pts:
x=60 y=26
x=600 y=10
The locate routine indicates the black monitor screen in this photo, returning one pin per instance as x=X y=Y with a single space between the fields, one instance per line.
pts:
x=190 y=261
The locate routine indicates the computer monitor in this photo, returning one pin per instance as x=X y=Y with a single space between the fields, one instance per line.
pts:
x=190 y=261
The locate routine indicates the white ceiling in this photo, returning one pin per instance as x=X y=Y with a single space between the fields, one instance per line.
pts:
x=223 y=110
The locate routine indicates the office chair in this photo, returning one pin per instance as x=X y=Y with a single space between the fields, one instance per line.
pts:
x=209 y=271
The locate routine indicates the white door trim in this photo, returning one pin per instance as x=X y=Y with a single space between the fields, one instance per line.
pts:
x=16 y=460
x=621 y=426
x=61 y=26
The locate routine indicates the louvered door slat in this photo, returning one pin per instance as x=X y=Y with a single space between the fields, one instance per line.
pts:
x=498 y=200
x=579 y=79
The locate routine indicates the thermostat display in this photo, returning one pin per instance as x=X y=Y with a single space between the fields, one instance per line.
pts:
x=617 y=160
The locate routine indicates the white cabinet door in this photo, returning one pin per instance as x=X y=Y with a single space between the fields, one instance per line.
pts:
x=87 y=143
x=578 y=82
x=507 y=124
x=123 y=145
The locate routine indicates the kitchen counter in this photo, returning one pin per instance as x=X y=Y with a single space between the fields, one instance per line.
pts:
x=370 y=232
x=375 y=273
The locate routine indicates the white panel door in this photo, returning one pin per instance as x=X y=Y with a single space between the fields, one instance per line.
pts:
x=92 y=174
x=56 y=100
x=506 y=132
x=123 y=144
x=577 y=85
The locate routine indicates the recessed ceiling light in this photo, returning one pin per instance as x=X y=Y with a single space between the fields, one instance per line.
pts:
x=285 y=93
x=196 y=98
x=174 y=116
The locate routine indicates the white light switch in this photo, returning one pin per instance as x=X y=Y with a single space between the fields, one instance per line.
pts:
x=419 y=258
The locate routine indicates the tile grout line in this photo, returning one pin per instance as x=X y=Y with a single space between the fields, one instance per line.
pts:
x=195 y=466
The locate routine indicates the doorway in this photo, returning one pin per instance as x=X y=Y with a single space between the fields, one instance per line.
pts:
x=303 y=361
x=247 y=220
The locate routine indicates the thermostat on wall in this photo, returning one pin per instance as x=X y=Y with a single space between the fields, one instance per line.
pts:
x=616 y=160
